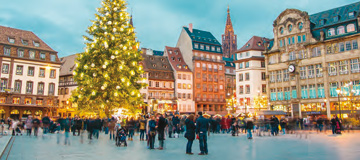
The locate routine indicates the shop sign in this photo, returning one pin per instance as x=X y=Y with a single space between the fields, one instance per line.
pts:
x=313 y=112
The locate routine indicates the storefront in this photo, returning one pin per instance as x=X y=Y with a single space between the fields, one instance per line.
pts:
x=313 y=110
x=347 y=109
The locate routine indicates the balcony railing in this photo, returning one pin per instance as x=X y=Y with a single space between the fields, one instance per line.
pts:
x=67 y=83
x=210 y=69
x=204 y=99
x=198 y=99
x=204 y=68
x=207 y=59
x=210 y=89
x=215 y=70
x=210 y=99
x=215 y=80
x=205 y=79
x=5 y=89
x=216 y=90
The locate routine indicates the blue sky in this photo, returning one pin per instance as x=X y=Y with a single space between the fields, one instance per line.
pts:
x=61 y=23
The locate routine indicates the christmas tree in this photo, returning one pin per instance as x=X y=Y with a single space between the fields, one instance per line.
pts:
x=108 y=72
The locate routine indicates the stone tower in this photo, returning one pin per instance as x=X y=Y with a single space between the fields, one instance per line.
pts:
x=229 y=44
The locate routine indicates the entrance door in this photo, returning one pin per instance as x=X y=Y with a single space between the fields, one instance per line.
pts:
x=15 y=114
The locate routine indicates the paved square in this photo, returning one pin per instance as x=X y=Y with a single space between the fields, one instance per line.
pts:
x=317 y=146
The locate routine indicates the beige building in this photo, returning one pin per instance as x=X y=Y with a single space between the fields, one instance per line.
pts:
x=250 y=74
x=29 y=75
x=310 y=57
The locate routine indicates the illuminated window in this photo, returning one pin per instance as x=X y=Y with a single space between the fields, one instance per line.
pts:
x=27 y=101
x=39 y=102
x=16 y=100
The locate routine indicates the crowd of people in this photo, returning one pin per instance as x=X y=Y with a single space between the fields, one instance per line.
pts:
x=169 y=125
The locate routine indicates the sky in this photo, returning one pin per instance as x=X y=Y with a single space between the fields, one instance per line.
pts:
x=62 y=23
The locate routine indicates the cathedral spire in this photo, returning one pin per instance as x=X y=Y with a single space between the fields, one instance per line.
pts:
x=229 y=39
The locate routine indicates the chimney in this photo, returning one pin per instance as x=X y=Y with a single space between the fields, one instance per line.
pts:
x=191 y=27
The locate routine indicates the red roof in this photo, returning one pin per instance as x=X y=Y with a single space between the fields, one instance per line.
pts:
x=255 y=43
x=176 y=60
x=20 y=36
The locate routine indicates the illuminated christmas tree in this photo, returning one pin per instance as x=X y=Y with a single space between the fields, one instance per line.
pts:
x=108 y=72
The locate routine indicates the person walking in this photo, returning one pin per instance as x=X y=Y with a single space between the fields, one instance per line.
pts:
x=249 y=127
x=142 y=128
x=202 y=125
x=46 y=123
x=161 y=131
x=333 y=125
x=170 y=127
x=97 y=127
x=130 y=126
x=190 y=133
x=67 y=125
x=36 y=124
x=283 y=124
x=111 y=125
x=28 y=124
x=152 y=131
x=320 y=124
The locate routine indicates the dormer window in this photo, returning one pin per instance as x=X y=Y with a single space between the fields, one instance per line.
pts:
x=36 y=44
x=162 y=59
x=154 y=65
x=218 y=49
x=173 y=58
x=248 y=45
x=165 y=66
x=152 y=58
x=170 y=52
x=207 y=47
x=300 y=25
x=196 y=45
x=21 y=53
x=281 y=30
x=212 y=48
x=331 y=32
x=11 y=40
x=201 y=46
x=350 y=28
x=185 y=66
x=24 y=42
x=352 y=14
x=179 y=59
x=336 y=18
x=259 y=44
x=341 y=30
x=290 y=27
x=322 y=22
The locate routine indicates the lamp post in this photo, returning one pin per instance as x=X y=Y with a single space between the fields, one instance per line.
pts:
x=338 y=91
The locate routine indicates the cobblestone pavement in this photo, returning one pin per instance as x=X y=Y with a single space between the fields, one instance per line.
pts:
x=221 y=146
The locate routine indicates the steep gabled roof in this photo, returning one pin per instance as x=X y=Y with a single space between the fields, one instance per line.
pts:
x=158 y=53
x=342 y=13
x=20 y=36
x=202 y=36
x=255 y=43
x=67 y=64
x=176 y=59
x=229 y=62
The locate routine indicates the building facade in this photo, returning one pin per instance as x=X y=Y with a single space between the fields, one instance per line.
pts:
x=251 y=75
x=29 y=75
x=230 y=78
x=183 y=80
x=311 y=57
x=160 y=90
x=66 y=86
x=203 y=54
x=229 y=39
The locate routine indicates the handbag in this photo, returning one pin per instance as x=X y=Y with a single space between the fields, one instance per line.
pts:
x=197 y=136
x=152 y=133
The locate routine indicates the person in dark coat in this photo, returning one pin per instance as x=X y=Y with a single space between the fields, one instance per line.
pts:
x=130 y=125
x=202 y=125
x=249 y=127
x=152 y=132
x=283 y=125
x=190 y=133
x=46 y=124
x=67 y=126
x=161 y=131
x=176 y=123
x=90 y=127
x=97 y=127
x=333 y=125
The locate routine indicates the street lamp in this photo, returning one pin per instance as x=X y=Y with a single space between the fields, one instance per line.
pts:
x=338 y=91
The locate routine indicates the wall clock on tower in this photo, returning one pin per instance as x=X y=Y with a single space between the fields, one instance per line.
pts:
x=291 y=68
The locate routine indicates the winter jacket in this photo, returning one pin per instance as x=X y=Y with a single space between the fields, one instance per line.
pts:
x=202 y=125
x=190 y=129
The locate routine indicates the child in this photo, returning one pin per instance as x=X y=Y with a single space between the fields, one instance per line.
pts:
x=121 y=137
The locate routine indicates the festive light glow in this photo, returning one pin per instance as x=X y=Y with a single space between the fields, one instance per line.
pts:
x=74 y=73
x=93 y=93
x=122 y=79
x=85 y=67
x=104 y=66
x=92 y=65
x=112 y=57
x=121 y=67
x=132 y=72
x=106 y=75
x=117 y=87
x=115 y=94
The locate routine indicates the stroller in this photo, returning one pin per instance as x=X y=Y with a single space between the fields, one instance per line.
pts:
x=120 y=137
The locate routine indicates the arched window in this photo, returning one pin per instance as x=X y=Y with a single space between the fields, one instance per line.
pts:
x=15 y=111
x=281 y=30
x=300 y=25
x=290 y=27
x=350 y=28
x=341 y=30
x=331 y=32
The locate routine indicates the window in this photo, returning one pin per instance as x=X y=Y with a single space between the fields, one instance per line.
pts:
x=311 y=71
x=290 y=28
x=343 y=67
x=27 y=100
x=322 y=22
x=316 y=52
x=5 y=68
x=263 y=76
x=207 y=47
x=197 y=64
x=241 y=77
x=247 y=76
x=201 y=46
x=262 y=64
x=272 y=59
x=157 y=84
x=351 y=14
x=198 y=85
x=51 y=89
x=354 y=44
x=341 y=30
x=286 y=75
x=321 y=91
x=41 y=88
x=52 y=73
x=348 y=45
x=4 y=84
x=332 y=68
x=272 y=76
x=279 y=76
x=281 y=43
x=247 y=64
x=304 y=38
x=302 y=72
x=20 y=52
x=17 y=87
x=36 y=44
x=281 y=30
x=336 y=18
x=39 y=102
x=247 y=54
x=218 y=49
x=240 y=65
x=179 y=76
x=263 y=88
x=355 y=65
x=32 y=54
x=292 y=56
x=287 y=93
x=300 y=25
x=341 y=47
x=221 y=87
x=212 y=48
x=331 y=32
x=304 y=92
x=220 y=67
x=42 y=72
x=299 y=39
x=11 y=40
x=293 y=40
x=289 y=41
x=19 y=70
x=29 y=87
x=333 y=87
x=293 y=92
x=7 y=51
x=16 y=100
x=312 y=91
x=241 y=90
x=31 y=71
x=319 y=70
x=302 y=54
x=196 y=45
x=350 y=28
x=42 y=56
x=272 y=94
x=280 y=95
x=247 y=89
x=53 y=57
